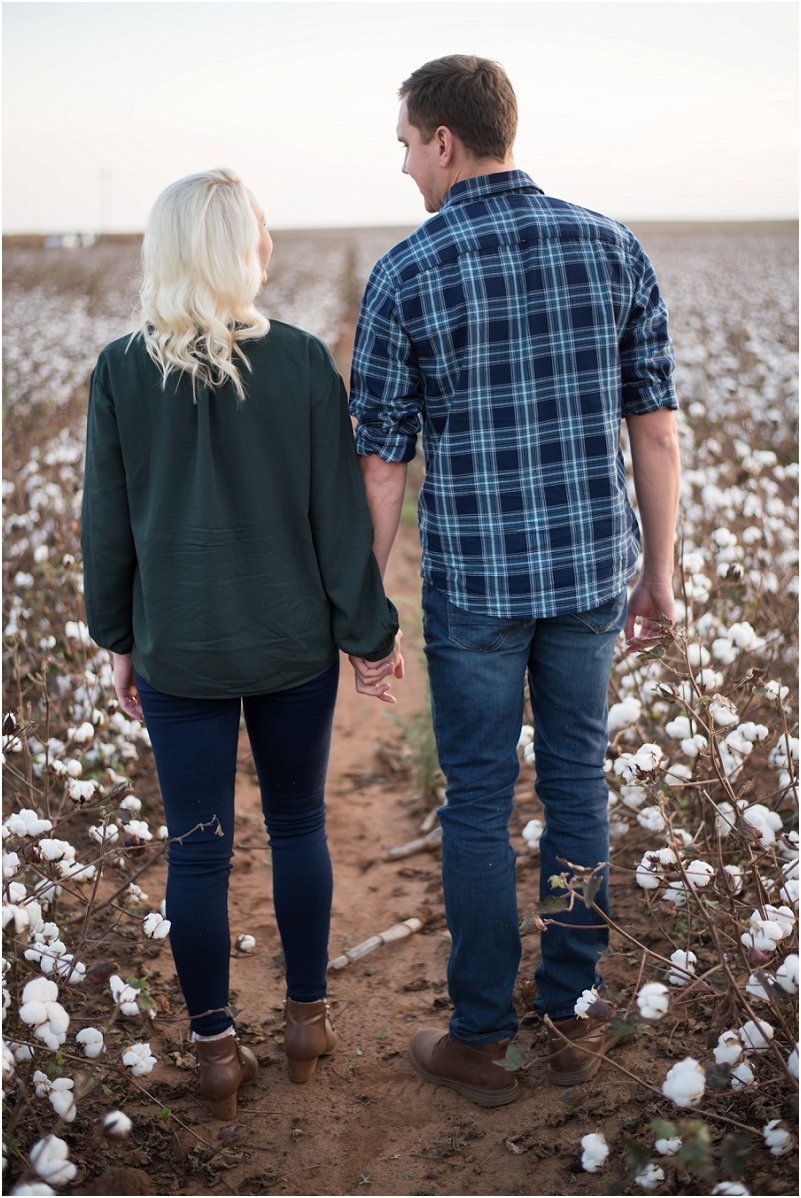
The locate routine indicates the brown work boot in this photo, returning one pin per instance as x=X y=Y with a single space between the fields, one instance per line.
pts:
x=469 y=1069
x=569 y=1064
x=308 y=1034
x=224 y=1066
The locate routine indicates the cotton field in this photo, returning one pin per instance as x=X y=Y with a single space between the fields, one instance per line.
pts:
x=703 y=730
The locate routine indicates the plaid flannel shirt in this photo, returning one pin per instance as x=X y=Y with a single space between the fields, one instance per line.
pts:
x=516 y=330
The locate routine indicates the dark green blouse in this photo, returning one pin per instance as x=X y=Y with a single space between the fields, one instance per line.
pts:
x=228 y=545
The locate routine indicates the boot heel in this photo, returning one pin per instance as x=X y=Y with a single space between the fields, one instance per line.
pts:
x=222 y=1108
x=301 y=1071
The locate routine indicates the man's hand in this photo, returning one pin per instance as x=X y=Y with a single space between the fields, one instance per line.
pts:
x=648 y=601
x=370 y=675
x=125 y=686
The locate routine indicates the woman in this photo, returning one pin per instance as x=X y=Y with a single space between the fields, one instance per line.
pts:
x=228 y=557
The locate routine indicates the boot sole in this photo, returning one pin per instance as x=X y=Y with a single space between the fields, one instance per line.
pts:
x=477 y=1094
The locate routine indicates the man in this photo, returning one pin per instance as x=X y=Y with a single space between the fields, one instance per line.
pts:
x=517 y=331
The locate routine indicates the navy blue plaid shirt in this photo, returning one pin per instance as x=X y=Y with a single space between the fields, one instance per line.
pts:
x=516 y=331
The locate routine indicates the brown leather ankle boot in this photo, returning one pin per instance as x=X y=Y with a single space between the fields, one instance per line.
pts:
x=308 y=1034
x=224 y=1066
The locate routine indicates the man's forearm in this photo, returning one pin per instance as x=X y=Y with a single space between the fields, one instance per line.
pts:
x=384 y=485
x=657 y=472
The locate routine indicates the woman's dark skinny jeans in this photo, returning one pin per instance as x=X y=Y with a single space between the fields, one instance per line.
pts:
x=195 y=746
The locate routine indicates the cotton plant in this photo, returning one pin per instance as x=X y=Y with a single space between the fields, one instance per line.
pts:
x=594 y=1151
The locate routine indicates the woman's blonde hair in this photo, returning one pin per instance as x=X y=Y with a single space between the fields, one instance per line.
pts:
x=201 y=268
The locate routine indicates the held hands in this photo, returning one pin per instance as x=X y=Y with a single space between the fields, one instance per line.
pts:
x=370 y=675
x=649 y=601
x=125 y=686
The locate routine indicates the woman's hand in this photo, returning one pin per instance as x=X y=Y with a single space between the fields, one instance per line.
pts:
x=370 y=675
x=125 y=686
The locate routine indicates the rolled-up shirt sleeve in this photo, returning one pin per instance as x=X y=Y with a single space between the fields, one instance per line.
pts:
x=646 y=353
x=385 y=383
x=107 y=542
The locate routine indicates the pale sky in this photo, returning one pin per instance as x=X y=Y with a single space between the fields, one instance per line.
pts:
x=642 y=110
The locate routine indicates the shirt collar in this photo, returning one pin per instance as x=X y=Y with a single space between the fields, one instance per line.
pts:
x=481 y=186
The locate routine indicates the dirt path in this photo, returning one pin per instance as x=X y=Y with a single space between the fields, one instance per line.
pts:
x=366 y=1124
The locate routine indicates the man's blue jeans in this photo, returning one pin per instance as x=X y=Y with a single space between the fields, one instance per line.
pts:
x=477 y=667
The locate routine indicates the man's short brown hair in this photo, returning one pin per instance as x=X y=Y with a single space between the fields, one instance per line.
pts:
x=471 y=96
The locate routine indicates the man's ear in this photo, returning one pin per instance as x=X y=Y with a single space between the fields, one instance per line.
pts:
x=446 y=145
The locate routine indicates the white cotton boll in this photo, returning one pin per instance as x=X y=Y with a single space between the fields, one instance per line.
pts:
x=787 y=974
x=679 y=728
x=668 y=1147
x=82 y=734
x=53 y=850
x=767 y=822
x=39 y=990
x=685 y=1083
x=594 y=1151
x=62 y=1099
x=792 y=1062
x=163 y=833
x=697 y=656
x=532 y=833
x=678 y=774
x=115 y=1125
x=652 y=819
x=683 y=967
x=700 y=874
x=745 y=637
x=756 y=1035
x=731 y=1187
x=528 y=754
x=92 y=1040
x=645 y=876
x=777 y=1137
x=27 y=823
x=754 y=732
x=245 y=943
x=755 y=988
x=724 y=651
x=763 y=939
x=18 y=916
x=125 y=996
x=104 y=835
x=70 y=970
x=139 y=1059
x=633 y=796
x=623 y=715
x=11 y=864
x=675 y=895
x=723 y=711
x=783 y=916
x=725 y=820
x=80 y=792
x=32 y=1187
x=50 y=1159
x=138 y=830
x=587 y=999
x=155 y=926
x=741 y=1075
x=526 y=736
x=648 y=758
x=709 y=680
x=693 y=746
x=649 y=1176
x=132 y=804
x=653 y=1000
x=775 y=692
